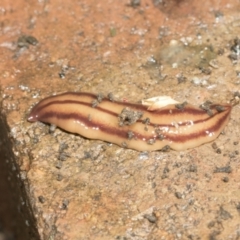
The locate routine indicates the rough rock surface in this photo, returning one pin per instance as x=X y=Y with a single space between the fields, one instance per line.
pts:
x=63 y=186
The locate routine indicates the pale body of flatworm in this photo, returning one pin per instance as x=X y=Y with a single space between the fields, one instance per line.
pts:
x=132 y=125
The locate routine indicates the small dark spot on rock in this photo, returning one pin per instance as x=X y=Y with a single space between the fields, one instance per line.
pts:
x=59 y=165
x=220 y=51
x=59 y=177
x=164 y=175
x=52 y=128
x=206 y=106
x=31 y=40
x=206 y=70
x=178 y=195
x=224 y=214
x=193 y=168
x=211 y=224
x=151 y=61
x=154 y=69
x=181 y=78
x=226 y=169
x=213 y=235
x=235 y=50
x=97 y=196
x=233 y=154
x=163 y=31
x=41 y=199
x=26 y=40
x=65 y=204
x=214 y=146
x=63 y=146
x=225 y=179
x=35 y=139
x=110 y=97
x=236 y=46
x=218 y=14
x=191 y=202
x=157 y=2
x=177 y=164
x=121 y=238
x=63 y=156
x=87 y=154
x=236 y=94
x=218 y=151
x=166 y=170
x=61 y=75
x=135 y=3
x=152 y=218
x=81 y=33
x=238 y=207
x=113 y=31
x=233 y=57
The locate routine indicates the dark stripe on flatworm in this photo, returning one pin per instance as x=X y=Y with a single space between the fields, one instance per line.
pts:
x=120 y=132
x=38 y=108
x=134 y=106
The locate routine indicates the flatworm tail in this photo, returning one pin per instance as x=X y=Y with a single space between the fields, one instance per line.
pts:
x=132 y=125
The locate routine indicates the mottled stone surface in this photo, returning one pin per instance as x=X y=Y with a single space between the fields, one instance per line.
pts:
x=75 y=188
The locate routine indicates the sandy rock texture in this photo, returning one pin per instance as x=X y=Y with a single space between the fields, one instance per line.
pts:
x=64 y=186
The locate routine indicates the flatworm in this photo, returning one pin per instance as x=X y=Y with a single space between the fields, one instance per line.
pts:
x=133 y=125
